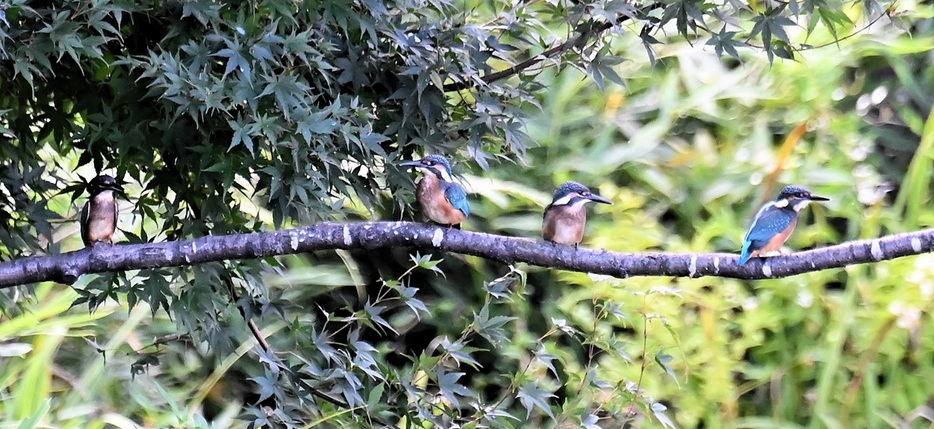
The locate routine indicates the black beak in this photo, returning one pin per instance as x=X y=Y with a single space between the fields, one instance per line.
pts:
x=818 y=198
x=116 y=187
x=410 y=164
x=598 y=199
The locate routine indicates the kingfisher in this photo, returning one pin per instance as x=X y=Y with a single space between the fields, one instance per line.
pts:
x=775 y=222
x=99 y=216
x=443 y=200
x=565 y=217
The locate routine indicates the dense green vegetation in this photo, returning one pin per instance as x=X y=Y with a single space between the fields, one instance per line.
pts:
x=226 y=119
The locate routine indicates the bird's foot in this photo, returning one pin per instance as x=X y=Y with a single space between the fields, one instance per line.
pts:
x=96 y=243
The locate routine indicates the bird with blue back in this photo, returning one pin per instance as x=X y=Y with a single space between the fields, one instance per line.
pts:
x=566 y=216
x=775 y=222
x=99 y=216
x=443 y=200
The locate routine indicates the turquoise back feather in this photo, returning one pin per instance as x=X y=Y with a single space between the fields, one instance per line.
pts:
x=456 y=194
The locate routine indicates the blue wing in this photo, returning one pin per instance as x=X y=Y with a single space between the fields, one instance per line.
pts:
x=769 y=221
x=456 y=194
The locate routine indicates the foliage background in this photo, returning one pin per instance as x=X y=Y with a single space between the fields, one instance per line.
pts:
x=224 y=119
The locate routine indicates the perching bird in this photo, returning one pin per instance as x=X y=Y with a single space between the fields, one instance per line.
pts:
x=566 y=216
x=99 y=216
x=443 y=200
x=775 y=222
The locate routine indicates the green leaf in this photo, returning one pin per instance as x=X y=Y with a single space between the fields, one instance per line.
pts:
x=663 y=359
x=771 y=25
x=491 y=328
x=502 y=287
x=833 y=19
x=546 y=359
x=531 y=396
x=416 y=305
x=375 y=397
x=321 y=342
x=658 y=410
x=590 y=421
x=460 y=352
x=365 y=358
x=373 y=313
x=33 y=421
x=268 y=386
x=426 y=263
x=724 y=42
x=450 y=388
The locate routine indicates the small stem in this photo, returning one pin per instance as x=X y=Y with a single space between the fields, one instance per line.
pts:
x=645 y=340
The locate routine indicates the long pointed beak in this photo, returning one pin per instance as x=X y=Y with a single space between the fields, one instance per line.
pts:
x=598 y=199
x=116 y=187
x=410 y=164
x=818 y=198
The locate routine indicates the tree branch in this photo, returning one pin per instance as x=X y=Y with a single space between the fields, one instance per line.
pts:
x=67 y=267
x=580 y=40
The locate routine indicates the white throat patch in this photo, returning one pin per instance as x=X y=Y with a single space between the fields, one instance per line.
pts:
x=801 y=205
x=445 y=175
x=105 y=195
x=563 y=201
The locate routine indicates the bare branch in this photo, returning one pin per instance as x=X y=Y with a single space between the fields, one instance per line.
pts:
x=67 y=267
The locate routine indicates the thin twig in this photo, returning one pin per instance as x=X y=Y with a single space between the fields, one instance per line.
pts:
x=581 y=39
x=885 y=13
x=257 y=334
x=645 y=341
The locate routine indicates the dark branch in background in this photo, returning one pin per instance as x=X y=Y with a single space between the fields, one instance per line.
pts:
x=235 y=300
x=272 y=358
x=66 y=268
x=806 y=47
x=580 y=40
x=585 y=36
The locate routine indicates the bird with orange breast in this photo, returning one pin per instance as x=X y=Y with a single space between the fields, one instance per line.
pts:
x=443 y=200
x=564 y=219
x=99 y=216
x=775 y=222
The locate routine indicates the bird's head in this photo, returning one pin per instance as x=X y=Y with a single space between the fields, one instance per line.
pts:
x=104 y=183
x=796 y=197
x=575 y=194
x=434 y=164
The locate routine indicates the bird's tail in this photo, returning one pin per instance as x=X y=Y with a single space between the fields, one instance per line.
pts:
x=745 y=254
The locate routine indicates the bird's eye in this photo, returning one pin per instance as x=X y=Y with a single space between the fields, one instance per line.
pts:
x=428 y=162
